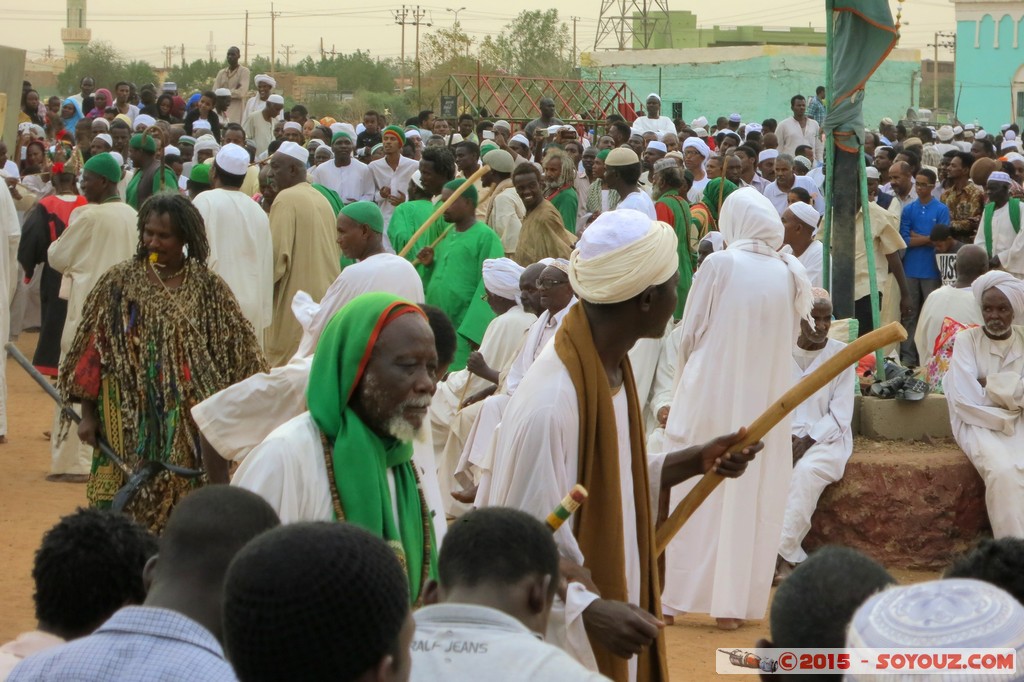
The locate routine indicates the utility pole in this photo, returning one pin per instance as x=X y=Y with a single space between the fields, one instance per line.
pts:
x=417 y=18
x=400 y=19
x=950 y=44
x=168 y=50
x=48 y=52
x=183 y=55
x=273 y=37
x=246 y=46
x=286 y=50
x=210 y=46
x=574 y=20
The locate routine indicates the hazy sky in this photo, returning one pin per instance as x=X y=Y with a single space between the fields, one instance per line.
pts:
x=141 y=30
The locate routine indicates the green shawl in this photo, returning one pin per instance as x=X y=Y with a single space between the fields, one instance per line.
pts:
x=361 y=457
x=714 y=195
x=686 y=251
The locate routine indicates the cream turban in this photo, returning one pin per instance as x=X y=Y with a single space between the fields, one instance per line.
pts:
x=1010 y=286
x=501 y=278
x=622 y=253
x=748 y=217
x=206 y=143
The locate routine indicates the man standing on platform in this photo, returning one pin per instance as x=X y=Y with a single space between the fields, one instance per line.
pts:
x=391 y=175
x=302 y=226
x=235 y=78
x=798 y=129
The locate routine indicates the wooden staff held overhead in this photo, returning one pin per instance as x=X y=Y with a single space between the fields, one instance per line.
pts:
x=439 y=211
x=828 y=371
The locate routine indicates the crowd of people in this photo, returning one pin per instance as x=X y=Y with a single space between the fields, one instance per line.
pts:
x=433 y=330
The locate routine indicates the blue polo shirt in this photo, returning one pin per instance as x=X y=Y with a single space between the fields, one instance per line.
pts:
x=919 y=261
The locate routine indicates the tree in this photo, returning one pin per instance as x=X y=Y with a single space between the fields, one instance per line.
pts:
x=356 y=71
x=199 y=75
x=535 y=43
x=140 y=73
x=99 y=61
x=445 y=47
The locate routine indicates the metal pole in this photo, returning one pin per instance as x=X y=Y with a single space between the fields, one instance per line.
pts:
x=246 y=46
x=935 y=74
x=273 y=42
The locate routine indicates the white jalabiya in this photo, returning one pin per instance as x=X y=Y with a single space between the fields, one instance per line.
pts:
x=958 y=304
x=396 y=179
x=352 y=182
x=10 y=235
x=539 y=442
x=662 y=388
x=98 y=237
x=1006 y=244
x=241 y=251
x=254 y=105
x=477 y=455
x=826 y=417
x=813 y=261
x=662 y=124
x=502 y=340
x=288 y=470
x=238 y=418
x=987 y=420
x=639 y=201
x=743 y=307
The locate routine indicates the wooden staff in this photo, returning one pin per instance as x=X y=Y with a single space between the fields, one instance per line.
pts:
x=829 y=370
x=456 y=193
x=433 y=244
x=569 y=504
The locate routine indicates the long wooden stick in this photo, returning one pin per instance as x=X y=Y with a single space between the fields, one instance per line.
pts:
x=829 y=370
x=433 y=244
x=444 y=207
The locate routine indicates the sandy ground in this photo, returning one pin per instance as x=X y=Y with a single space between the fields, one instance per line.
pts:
x=29 y=505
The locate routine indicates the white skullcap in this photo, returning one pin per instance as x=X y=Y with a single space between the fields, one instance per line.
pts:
x=106 y=138
x=872 y=173
x=747 y=215
x=753 y=128
x=454 y=139
x=233 y=159
x=1014 y=156
x=698 y=144
x=1008 y=144
x=699 y=122
x=969 y=126
x=701 y=132
x=1010 y=135
x=716 y=240
x=951 y=613
x=957 y=130
x=264 y=78
x=999 y=176
x=325 y=149
x=294 y=150
x=206 y=142
x=1004 y=127
x=144 y=120
x=501 y=277
x=275 y=99
x=417 y=179
x=735 y=118
x=559 y=264
x=103 y=123
x=767 y=155
x=314 y=143
x=504 y=125
x=654 y=95
x=622 y=253
x=658 y=146
x=980 y=135
x=946 y=133
x=200 y=124
x=413 y=133
x=803 y=162
x=806 y=214
x=887 y=121
x=1011 y=287
x=222 y=92
x=520 y=138
x=171 y=150
x=292 y=125
x=118 y=158
x=554 y=129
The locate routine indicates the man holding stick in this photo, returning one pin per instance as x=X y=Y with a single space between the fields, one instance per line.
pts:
x=576 y=418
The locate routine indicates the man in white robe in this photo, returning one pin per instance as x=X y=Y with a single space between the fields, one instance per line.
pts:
x=391 y=174
x=378 y=366
x=241 y=248
x=625 y=270
x=264 y=86
x=984 y=389
x=999 y=231
x=654 y=121
x=99 y=235
x=956 y=302
x=502 y=279
x=822 y=432
x=350 y=179
x=800 y=221
x=744 y=306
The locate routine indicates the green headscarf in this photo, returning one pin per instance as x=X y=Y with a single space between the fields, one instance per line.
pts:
x=711 y=197
x=361 y=457
x=603 y=154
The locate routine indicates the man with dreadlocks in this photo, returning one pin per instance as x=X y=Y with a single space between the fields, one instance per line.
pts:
x=151 y=175
x=560 y=186
x=160 y=333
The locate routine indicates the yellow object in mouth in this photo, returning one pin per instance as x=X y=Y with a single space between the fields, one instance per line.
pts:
x=153 y=257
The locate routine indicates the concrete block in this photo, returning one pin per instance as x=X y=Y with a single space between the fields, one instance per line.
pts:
x=890 y=419
x=907 y=505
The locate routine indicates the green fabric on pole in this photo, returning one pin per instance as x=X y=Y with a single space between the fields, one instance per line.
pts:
x=863 y=35
x=361 y=457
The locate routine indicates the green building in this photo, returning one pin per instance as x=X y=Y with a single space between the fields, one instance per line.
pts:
x=682 y=32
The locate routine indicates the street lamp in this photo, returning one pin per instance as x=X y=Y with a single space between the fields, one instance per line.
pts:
x=455 y=12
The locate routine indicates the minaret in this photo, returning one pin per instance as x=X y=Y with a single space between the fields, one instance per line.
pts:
x=75 y=35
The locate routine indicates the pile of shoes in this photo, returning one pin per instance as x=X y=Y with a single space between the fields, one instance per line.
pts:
x=900 y=383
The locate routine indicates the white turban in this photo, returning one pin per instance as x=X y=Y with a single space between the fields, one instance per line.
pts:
x=501 y=278
x=1010 y=286
x=520 y=139
x=806 y=214
x=264 y=78
x=201 y=124
x=655 y=96
x=106 y=138
x=749 y=218
x=292 y=125
x=206 y=143
x=767 y=155
x=622 y=253
x=144 y=120
x=702 y=148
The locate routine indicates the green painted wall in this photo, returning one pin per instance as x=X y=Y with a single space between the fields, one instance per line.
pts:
x=757 y=87
x=684 y=33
